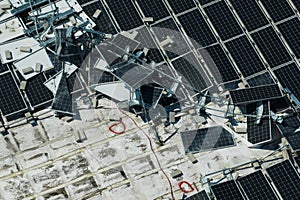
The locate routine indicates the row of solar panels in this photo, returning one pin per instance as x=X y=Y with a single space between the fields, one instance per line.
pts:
x=281 y=181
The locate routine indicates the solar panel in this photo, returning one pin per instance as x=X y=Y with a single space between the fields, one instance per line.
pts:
x=297 y=4
x=289 y=125
x=125 y=14
x=290 y=31
x=288 y=77
x=62 y=101
x=122 y=42
x=11 y=100
x=199 y=196
x=197 y=29
x=206 y=139
x=278 y=10
x=37 y=93
x=218 y=63
x=132 y=73
x=154 y=8
x=257 y=187
x=223 y=20
x=286 y=179
x=260 y=80
x=146 y=40
x=103 y=22
x=271 y=47
x=297 y=159
x=202 y=2
x=245 y=56
x=3 y=68
x=227 y=191
x=294 y=141
x=191 y=72
x=179 y=6
x=74 y=83
x=250 y=14
x=168 y=28
x=254 y=94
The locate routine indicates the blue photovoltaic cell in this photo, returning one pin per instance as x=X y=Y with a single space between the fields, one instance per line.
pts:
x=223 y=20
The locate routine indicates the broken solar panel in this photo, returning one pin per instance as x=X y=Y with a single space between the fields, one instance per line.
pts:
x=63 y=100
x=191 y=72
x=206 y=139
x=199 y=196
x=262 y=132
x=154 y=8
x=289 y=125
x=168 y=28
x=227 y=191
x=37 y=93
x=256 y=187
x=294 y=140
x=286 y=179
x=260 y=80
x=125 y=14
x=11 y=100
x=132 y=73
x=254 y=94
x=122 y=42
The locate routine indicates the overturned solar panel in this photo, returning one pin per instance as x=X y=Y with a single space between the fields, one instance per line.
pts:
x=206 y=139
x=254 y=94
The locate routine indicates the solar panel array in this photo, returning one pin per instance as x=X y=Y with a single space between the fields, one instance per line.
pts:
x=206 y=139
x=256 y=187
x=286 y=179
x=254 y=94
x=289 y=125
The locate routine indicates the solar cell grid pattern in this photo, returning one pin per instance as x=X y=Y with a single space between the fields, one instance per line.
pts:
x=271 y=47
x=290 y=31
x=179 y=6
x=197 y=29
x=63 y=100
x=3 y=68
x=260 y=80
x=169 y=28
x=37 y=92
x=250 y=14
x=223 y=20
x=257 y=187
x=254 y=94
x=191 y=72
x=125 y=14
x=288 y=76
x=74 y=83
x=151 y=94
x=297 y=159
x=199 y=196
x=227 y=191
x=297 y=4
x=147 y=41
x=286 y=179
x=245 y=56
x=103 y=22
x=219 y=64
x=203 y=2
x=206 y=139
x=278 y=9
x=11 y=99
x=294 y=141
x=154 y=8
x=289 y=125
x=258 y=133
x=121 y=42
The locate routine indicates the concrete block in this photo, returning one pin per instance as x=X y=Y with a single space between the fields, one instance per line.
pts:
x=5 y=6
x=8 y=55
x=27 y=70
x=38 y=67
x=25 y=49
